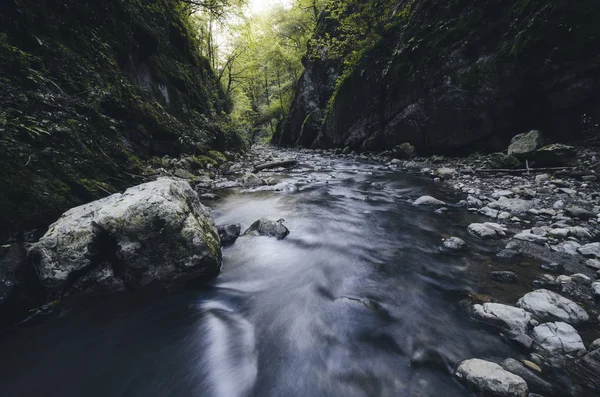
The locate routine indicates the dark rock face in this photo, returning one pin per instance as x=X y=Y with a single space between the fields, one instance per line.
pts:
x=459 y=76
x=228 y=234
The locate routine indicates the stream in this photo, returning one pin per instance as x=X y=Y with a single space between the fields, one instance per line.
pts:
x=358 y=300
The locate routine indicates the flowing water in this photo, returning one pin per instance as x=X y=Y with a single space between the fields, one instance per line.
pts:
x=357 y=301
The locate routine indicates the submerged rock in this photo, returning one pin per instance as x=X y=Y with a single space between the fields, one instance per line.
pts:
x=548 y=305
x=154 y=233
x=490 y=379
x=503 y=276
x=266 y=227
x=251 y=180
x=557 y=339
x=509 y=318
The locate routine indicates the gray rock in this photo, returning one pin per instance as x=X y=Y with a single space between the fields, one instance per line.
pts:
x=455 y=244
x=558 y=205
x=553 y=267
x=265 y=227
x=526 y=144
x=586 y=370
x=568 y=247
x=508 y=318
x=556 y=155
x=446 y=172
x=522 y=340
x=490 y=213
x=593 y=263
x=474 y=202
x=534 y=381
x=527 y=235
x=502 y=193
x=557 y=339
x=513 y=205
x=209 y=196
x=595 y=344
x=580 y=213
x=228 y=234
x=154 y=233
x=506 y=277
x=596 y=289
x=251 y=180
x=487 y=230
x=548 y=305
x=404 y=151
x=591 y=250
x=429 y=201
x=490 y=379
x=581 y=278
x=542 y=178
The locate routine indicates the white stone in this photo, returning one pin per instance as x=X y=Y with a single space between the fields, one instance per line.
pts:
x=487 y=230
x=455 y=244
x=560 y=232
x=557 y=339
x=509 y=318
x=490 y=213
x=490 y=379
x=549 y=305
x=559 y=205
x=429 y=201
x=593 y=263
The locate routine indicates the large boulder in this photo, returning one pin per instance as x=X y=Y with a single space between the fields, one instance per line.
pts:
x=511 y=319
x=556 y=155
x=548 y=305
x=490 y=379
x=524 y=145
x=157 y=233
x=557 y=339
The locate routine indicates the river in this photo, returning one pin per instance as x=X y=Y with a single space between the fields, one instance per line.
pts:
x=358 y=300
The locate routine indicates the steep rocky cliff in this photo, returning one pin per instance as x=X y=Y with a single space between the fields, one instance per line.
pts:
x=456 y=76
x=88 y=89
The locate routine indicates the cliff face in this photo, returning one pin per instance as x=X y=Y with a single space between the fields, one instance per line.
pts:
x=456 y=76
x=87 y=89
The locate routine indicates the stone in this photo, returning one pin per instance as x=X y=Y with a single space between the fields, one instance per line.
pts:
x=229 y=234
x=569 y=191
x=557 y=339
x=506 y=277
x=502 y=193
x=455 y=244
x=157 y=233
x=522 y=340
x=591 y=250
x=209 y=196
x=527 y=235
x=595 y=344
x=266 y=227
x=589 y=178
x=568 y=247
x=347 y=150
x=558 y=205
x=428 y=201
x=559 y=232
x=581 y=278
x=404 y=151
x=553 y=267
x=580 y=232
x=556 y=155
x=596 y=289
x=513 y=205
x=502 y=160
x=544 y=281
x=580 y=213
x=534 y=381
x=490 y=213
x=593 y=263
x=487 y=230
x=548 y=305
x=541 y=178
x=490 y=379
x=474 y=202
x=511 y=319
x=524 y=145
x=446 y=172
x=587 y=370
x=250 y=181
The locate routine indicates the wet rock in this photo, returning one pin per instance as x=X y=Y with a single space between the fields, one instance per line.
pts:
x=455 y=244
x=487 y=230
x=593 y=263
x=557 y=339
x=591 y=250
x=522 y=340
x=490 y=379
x=534 y=381
x=509 y=318
x=556 y=155
x=209 y=196
x=528 y=235
x=266 y=227
x=154 y=233
x=545 y=281
x=428 y=201
x=490 y=213
x=596 y=289
x=251 y=180
x=581 y=278
x=514 y=205
x=347 y=150
x=506 y=277
x=553 y=267
x=587 y=370
x=580 y=213
x=525 y=144
x=548 y=305
x=228 y=234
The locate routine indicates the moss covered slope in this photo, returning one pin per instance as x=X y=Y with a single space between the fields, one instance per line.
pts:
x=88 y=89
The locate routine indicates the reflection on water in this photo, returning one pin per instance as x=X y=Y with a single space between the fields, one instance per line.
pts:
x=356 y=301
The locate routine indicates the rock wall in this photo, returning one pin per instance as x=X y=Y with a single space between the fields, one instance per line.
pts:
x=88 y=90
x=457 y=76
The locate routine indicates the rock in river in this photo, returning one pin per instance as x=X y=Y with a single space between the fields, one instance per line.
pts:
x=534 y=381
x=265 y=227
x=487 y=230
x=509 y=318
x=455 y=244
x=429 y=201
x=490 y=379
x=154 y=233
x=228 y=234
x=557 y=339
x=548 y=305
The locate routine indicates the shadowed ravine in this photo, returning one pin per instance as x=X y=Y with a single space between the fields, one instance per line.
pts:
x=357 y=301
